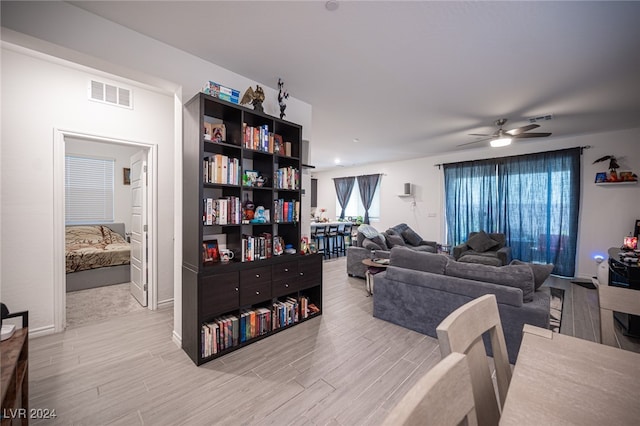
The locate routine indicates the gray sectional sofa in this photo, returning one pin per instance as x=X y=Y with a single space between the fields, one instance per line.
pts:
x=418 y=290
x=373 y=244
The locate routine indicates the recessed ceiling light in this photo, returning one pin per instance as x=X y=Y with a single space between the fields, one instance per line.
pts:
x=337 y=161
x=331 y=5
x=356 y=140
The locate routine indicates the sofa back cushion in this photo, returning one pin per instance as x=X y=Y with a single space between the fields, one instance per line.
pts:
x=404 y=257
x=519 y=276
x=541 y=271
x=394 y=240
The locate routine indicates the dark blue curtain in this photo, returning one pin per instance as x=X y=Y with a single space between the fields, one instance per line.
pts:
x=344 y=186
x=367 y=185
x=470 y=199
x=533 y=199
x=541 y=196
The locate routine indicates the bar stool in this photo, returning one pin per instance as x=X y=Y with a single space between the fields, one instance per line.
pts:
x=340 y=243
x=319 y=235
x=346 y=235
x=332 y=236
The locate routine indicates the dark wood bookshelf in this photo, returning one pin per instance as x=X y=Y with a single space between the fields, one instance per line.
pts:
x=226 y=290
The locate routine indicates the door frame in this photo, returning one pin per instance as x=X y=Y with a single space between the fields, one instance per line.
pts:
x=59 y=280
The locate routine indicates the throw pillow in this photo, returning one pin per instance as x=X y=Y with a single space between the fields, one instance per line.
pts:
x=380 y=240
x=394 y=241
x=411 y=237
x=370 y=245
x=407 y=258
x=541 y=271
x=367 y=230
x=519 y=276
x=481 y=242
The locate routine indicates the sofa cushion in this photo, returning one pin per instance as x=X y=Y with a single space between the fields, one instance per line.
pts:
x=520 y=276
x=541 y=271
x=371 y=245
x=394 y=240
x=481 y=242
x=425 y=248
x=411 y=237
x=381 y=240
x=405 y=257
x=367 y=230
x=483 y=260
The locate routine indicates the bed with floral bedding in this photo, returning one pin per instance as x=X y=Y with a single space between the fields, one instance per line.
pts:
x=96 y=255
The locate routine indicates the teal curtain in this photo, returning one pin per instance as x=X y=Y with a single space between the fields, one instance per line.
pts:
x=533 y=199
x=541 y=198
x=470 y=199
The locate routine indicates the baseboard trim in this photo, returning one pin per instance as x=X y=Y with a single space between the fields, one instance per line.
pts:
x=41 y=331
x=176 y=339
x=165 y=303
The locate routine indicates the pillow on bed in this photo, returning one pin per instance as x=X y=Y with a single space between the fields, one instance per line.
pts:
x=111 y=237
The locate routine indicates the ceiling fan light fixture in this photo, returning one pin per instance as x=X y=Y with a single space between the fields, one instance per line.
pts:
x=497 y=143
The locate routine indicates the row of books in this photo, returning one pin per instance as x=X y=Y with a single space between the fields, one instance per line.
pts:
x=257 y=247
x=287 y=178
x=222 y=211
x=219 y=168
x=261 y=139
x=230 y=330
x=286 y=211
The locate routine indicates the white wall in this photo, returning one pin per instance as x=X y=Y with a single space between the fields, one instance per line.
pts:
x=44 y=96
x=607 y=214
x=122 y=155
x=68 y=32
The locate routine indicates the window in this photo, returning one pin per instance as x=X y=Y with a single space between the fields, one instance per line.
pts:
x=89 y=186
x=355 y=207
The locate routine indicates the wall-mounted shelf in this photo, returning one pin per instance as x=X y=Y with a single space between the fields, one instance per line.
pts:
x=628 y=182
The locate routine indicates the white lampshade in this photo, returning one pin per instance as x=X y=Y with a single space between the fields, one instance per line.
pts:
x=496 y=143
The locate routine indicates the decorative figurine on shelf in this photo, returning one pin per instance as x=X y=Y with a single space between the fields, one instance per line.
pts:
x=259 y=216
x=613 y=165
x=255 y=97
x=304 y=246
x=282 y=95
x=247 y=209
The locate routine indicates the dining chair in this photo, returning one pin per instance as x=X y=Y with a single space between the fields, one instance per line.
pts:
x=443 y=396
x=462 y=332
x=615 y=299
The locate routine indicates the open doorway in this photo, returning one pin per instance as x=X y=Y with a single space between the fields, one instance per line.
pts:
x=105 y=288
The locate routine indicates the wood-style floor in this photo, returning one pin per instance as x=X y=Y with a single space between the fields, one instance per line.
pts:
x=343 y=368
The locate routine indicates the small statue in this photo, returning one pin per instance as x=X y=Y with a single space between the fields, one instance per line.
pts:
x=255 y=97
x=282 y=95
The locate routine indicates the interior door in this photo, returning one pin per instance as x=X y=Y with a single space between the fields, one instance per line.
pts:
x=139 y=273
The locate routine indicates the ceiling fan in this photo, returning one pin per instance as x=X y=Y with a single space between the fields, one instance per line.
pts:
x=504 y=137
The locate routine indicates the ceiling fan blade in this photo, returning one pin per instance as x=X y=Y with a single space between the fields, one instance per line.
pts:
x=474 y=142
x=520 y=130
x=479 y=134
x=532 y=135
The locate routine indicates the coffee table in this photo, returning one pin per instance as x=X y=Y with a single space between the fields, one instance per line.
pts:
x=374 y=266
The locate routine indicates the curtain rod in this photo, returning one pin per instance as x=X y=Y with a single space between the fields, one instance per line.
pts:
x=582 y=148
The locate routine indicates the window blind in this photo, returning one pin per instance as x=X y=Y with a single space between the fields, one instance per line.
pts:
x=89 y=187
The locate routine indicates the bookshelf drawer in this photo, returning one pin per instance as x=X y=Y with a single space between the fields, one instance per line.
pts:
x=255 y=293
x=219 y=294
x=285 y=271
x=310 y=269
x=255 y=275
x=282 y=287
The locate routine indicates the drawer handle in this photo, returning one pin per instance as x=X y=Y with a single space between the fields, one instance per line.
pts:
x=286 y=269
x=257 y=292
x=286 y=285
x=257 y=275
x=301 y=273
x=236 y=288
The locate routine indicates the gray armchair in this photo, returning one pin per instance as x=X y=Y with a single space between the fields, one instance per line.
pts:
x=481 y=244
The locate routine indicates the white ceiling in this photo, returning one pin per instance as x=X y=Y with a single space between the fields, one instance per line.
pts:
x=411 y=79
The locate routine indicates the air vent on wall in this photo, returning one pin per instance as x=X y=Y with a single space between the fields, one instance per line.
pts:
x=545 y=117
x=110 y=94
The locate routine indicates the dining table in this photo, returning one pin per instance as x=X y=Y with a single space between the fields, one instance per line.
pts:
x=560 y=379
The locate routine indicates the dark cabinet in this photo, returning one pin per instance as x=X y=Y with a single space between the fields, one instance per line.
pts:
x=231 y=155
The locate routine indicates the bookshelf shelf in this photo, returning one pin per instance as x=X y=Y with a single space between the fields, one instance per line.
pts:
x=226 y=306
